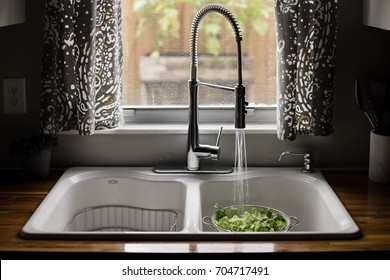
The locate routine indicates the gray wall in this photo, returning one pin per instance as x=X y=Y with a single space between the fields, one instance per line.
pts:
x=361 y=51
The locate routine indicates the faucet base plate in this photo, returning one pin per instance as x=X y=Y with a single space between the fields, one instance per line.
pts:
x=201 y=170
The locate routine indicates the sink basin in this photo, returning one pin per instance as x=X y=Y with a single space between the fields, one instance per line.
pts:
x=136 y=204
x=305 y=196
x=86 y=201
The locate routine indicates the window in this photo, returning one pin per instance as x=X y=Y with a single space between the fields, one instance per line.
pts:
x=156 y=36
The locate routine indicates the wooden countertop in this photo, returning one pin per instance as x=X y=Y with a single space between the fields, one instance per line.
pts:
x=367 y=202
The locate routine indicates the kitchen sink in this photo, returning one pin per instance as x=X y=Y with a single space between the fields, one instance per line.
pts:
x=118 y=203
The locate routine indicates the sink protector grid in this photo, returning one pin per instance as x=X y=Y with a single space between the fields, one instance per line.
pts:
x=307 y=196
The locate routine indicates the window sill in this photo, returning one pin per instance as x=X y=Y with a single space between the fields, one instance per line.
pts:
x=182 y=128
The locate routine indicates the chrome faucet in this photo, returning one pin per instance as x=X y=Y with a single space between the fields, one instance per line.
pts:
x=196 y=151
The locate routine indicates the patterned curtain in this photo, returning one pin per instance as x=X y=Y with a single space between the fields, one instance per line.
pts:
x=306 y=44
x=81 y=87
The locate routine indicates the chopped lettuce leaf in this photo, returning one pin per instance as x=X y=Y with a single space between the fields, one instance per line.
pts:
x=252 y=220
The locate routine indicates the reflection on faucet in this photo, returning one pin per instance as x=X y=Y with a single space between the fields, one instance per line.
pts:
x=196 y=151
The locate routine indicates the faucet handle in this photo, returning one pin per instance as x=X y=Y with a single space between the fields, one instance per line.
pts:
x=219 y=137
x=308 y=159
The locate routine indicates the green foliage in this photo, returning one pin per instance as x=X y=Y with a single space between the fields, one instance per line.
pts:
x=28 y=147
x=163 y=15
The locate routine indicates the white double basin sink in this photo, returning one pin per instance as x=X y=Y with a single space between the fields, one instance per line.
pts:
x=127 y=196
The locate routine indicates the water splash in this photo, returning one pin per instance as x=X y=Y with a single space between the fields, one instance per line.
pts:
x=240 y=194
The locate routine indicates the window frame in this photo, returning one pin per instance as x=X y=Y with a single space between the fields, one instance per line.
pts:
x=209 y=114
x=264 y=114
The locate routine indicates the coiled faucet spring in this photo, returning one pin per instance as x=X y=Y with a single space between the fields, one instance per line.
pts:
x=194 y=37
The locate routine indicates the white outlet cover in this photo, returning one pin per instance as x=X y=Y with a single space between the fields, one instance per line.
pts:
x=14 y=95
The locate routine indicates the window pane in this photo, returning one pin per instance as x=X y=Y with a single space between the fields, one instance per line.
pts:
x=156 y=36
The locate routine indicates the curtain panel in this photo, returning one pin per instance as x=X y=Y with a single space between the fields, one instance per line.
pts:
x=306 y=33
x=81 y=85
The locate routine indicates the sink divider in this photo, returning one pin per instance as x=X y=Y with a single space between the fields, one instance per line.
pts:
x=192 y=217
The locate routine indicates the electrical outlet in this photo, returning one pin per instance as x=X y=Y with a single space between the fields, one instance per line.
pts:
x=14 y=95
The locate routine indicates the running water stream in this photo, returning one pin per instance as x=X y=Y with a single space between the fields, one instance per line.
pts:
x=240 y=193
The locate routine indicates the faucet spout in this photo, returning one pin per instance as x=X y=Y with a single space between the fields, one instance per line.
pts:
x=195 y=150
x=240 y=106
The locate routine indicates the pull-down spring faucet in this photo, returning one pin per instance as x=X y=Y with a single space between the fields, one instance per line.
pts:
x=195 y=150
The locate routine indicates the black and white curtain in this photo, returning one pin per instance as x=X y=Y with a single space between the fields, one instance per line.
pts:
x=81 y=87
x=306 y=52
